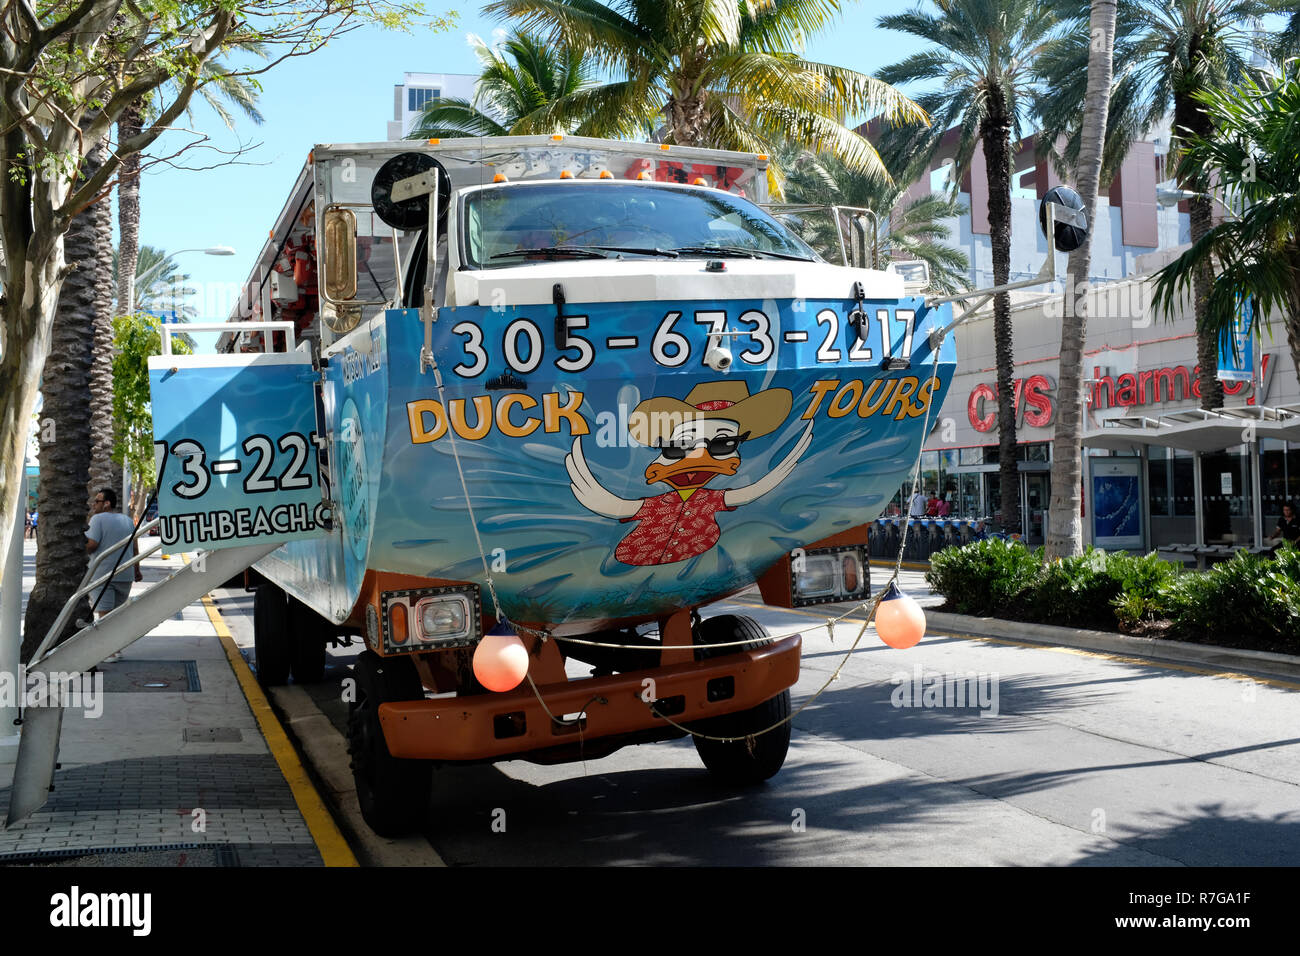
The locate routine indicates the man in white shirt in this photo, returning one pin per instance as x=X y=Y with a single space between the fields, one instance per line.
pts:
x=109 y=528
x=919 y=505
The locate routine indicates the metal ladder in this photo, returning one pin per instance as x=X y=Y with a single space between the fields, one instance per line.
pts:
x=38 y=744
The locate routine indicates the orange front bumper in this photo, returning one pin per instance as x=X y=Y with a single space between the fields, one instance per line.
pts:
x=487 y=726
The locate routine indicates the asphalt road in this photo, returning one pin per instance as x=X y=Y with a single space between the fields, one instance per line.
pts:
x=1068 y=758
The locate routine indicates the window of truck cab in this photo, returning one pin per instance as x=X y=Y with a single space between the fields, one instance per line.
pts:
x=502 y=219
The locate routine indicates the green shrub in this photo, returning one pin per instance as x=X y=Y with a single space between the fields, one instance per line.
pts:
x=1249 y=597
x=1075 y=592
x=1249 y=600
x=1144 y=587
x=984 y=577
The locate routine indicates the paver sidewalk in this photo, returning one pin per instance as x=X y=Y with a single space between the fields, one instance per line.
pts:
x=167 y=766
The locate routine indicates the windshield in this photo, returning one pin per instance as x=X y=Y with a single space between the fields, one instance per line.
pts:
x=506 y=225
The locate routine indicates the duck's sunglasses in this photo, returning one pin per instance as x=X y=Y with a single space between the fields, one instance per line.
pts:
x=717 y=447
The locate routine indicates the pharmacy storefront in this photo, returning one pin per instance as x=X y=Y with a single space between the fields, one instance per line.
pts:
x=1180 y=479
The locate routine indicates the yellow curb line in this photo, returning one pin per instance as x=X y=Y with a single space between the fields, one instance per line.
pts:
x=1081 y=652
x=334 y=850
x=906 y=565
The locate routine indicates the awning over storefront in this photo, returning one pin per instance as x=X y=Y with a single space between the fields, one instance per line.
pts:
x=1198 y=429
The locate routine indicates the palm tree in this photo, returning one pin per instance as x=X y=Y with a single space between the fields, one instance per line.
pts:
x=915 y=230
x=1287 y=42
x=1166 y=53
x=159 y=286
x=66 y=438
x=517 y=82
x=1064 y=521
x=720 y=73
x=218 y=89
x=97 y=260
x=1254 y=152
x=981 y=54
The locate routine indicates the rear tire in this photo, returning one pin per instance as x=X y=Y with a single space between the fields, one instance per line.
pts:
x=310 y=633
x=747 y=761
x=272 y=640
x=393 y=793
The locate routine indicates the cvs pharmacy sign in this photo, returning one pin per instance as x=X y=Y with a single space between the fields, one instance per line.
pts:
x=1034 y=399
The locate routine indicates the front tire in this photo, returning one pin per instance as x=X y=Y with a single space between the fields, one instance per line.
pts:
x=272 y=640
x=310 y=634
x=393 y=793
x=751 y=759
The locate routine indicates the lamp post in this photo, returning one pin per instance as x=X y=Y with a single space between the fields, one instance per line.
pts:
x=1171 y=196
x=142 y=281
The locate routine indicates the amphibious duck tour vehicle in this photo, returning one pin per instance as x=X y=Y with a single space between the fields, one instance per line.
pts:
x=573 y=389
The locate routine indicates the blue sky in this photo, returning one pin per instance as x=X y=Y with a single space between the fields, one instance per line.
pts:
x=344 y=94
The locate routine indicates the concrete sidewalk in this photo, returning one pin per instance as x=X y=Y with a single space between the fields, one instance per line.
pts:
x=178 y=762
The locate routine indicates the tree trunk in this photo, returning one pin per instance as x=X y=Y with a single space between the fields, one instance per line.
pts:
x=1189 y=115
x=1064 y=522
x=995 y=133
x=1207 y=339
x=103 y=473
x=65 y=437
x=128 y=211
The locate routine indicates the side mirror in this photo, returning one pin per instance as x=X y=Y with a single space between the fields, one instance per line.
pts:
x=1071 y=221
x=340 y=254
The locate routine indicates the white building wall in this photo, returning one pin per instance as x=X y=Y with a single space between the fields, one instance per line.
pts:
x=446 y=85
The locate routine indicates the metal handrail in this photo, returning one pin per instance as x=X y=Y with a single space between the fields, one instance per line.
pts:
x=85 y=588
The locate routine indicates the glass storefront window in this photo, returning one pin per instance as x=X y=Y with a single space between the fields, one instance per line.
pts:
x=993 y=495
x=970 y=456
x=1158 y=493
x=1225 y=484
x=1272 y=480
x=1184 y=483
x=969 y=504
x=1293 y=472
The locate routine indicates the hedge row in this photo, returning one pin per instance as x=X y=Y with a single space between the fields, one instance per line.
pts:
x=1247 y=601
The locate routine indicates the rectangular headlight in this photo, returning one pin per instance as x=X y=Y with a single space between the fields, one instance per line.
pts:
x=433 y=617
x=444 y=618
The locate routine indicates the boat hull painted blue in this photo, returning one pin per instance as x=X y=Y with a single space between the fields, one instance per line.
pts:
x=556 y=549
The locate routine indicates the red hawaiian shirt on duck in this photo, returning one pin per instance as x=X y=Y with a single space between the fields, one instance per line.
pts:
x=673 y=530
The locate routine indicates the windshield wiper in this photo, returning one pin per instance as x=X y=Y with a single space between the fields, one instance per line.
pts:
x=738 y=251
x=720 y=251
x=640 y=251
x=575 y=252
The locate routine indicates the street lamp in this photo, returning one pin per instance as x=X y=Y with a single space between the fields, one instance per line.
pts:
x=1171 y=196
x=142 y=281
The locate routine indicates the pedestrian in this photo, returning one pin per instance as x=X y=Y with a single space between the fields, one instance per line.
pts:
x=916 y=509
x=35 y=515
x=943 y=508
x=1288 y=527
x=111 y=529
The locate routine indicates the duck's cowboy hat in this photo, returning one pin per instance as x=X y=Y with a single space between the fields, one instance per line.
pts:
x=654 y=420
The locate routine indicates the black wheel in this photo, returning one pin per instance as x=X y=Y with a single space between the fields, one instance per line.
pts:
x=272 y=641
x=393 y=794
x=310 y=632
x=749 y=760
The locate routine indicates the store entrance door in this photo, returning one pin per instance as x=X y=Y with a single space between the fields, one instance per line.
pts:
x=1034 y=495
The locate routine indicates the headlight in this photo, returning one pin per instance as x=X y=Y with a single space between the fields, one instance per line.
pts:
x=423 y=619
x=443 y=618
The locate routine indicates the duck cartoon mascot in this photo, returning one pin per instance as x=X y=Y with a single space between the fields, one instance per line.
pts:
x=698 y=439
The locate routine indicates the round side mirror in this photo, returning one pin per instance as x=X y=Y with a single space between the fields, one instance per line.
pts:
x=1069 y=235
x=412 y=213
